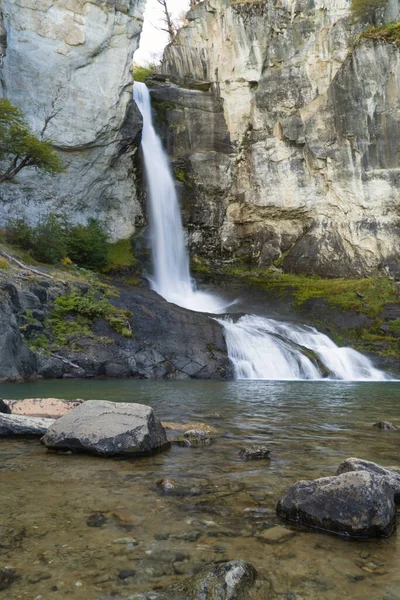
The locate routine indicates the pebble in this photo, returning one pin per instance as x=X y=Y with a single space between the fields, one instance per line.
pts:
x=126 y=540
x=276 y=535
x=78 y=584
x=96 y=519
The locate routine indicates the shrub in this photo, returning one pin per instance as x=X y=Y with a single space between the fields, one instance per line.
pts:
x=49 y=240
x=368 y=11
x=141 y=73
x=120 y=256
x=87 y=245
x=19 y=233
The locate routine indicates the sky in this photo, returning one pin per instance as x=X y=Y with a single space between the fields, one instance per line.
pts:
x=152 y=40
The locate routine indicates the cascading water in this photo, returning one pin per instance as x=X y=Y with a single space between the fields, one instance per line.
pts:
x=259 y=348
x=171 y=275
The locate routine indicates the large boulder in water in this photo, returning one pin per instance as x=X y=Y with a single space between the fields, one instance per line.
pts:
x=25 y=426
x=107 y=429
x=356 y=504
x=391 y=475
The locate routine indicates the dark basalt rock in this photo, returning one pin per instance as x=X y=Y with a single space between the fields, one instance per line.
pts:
x=107 y=429
x=390 y=474
x=254 y=453
x=354 y=504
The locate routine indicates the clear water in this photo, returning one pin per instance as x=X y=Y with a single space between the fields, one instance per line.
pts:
x=310 y=428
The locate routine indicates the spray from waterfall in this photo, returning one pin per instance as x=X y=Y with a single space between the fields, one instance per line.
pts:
x=259 y=348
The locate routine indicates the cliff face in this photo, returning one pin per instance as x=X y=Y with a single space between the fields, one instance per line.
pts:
x=67 y=62
x=301 y=158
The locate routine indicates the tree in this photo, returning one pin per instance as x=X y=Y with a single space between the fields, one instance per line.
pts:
x=169 y=26
x=370 y=11
x=20 y=148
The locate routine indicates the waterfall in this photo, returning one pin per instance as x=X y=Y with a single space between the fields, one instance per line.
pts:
x=259 y=348
x=171 y=274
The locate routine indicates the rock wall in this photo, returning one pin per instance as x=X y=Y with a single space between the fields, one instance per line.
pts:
x=304 y=166
x=67 y=61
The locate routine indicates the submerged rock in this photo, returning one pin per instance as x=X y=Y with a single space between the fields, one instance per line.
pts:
x=19 y=425
x=194 y=437
x=7 y=577
x=356 y=504
x=254 y=453
x=107 y=429
x=225 y=581
x=384 y=425
x=390 y=474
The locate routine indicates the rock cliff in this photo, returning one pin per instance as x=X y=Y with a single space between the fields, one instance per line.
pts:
x=284 y=133
x=66 y=63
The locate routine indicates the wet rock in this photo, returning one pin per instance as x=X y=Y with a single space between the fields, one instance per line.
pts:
x=172 y=488
x=4 y=407
x=96 y=519
x=18 y=425
x=7 y=577
x=390 y=474
x=384 y=425
x=194 y=437
x=129 y=541
x=40 y=576
x=276 y=535
x=42 y=407
x=255 y=453
x=107 y=429
x=126 y=573
x=355 y=504
x=225 y=581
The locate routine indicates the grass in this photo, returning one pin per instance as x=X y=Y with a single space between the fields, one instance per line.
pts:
x=120 y=256
x=389 y=33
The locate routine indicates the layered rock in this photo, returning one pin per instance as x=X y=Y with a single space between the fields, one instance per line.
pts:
x=12 y=425
x=305 y=166
x=67 y=64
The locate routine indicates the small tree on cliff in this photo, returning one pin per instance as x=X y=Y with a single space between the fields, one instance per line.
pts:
x=20 y=148
x=368 y=11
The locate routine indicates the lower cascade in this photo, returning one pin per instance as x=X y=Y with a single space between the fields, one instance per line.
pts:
x=259 y=348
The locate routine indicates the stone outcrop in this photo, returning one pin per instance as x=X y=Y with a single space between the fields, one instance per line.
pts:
x=167 y=342
x=354 y=504
x=11 y=425
x=300 y=161
x=107 y=429
x=67 y=64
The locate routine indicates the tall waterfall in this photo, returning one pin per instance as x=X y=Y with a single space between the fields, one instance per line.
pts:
x=171 y=274
x=259 y=348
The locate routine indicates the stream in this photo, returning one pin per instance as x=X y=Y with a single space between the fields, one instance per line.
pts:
x=49 y=499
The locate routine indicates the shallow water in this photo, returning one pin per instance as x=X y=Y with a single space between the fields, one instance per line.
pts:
x=46 y=499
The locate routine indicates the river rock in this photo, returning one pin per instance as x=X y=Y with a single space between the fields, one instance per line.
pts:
x=384 y=425
x=107 y=429
x=7 y=577
x=19 y=425
x=225 y=581
x=42 y=407
x=4 y=407
x=355 y=504
x=390 y=474
x=194 y=437
x=254 y=453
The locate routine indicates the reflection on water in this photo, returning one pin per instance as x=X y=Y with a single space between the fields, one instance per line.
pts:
x=47 y=499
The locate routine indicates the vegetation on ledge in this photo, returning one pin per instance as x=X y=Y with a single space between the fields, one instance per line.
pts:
x=389 y=33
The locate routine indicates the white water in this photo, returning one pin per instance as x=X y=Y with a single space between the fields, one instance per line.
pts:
x=259 y=348
x=171 y=274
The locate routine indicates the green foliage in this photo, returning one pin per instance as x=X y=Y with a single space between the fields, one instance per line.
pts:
x=75 y=313
x=180 y=174
x=18 y=233
x=20 y=147
x=389 y=33
x=87 y=245
x=3 y=264
x=49 y=242
x=120 y=256
x=142 y=73
x=40 y=342
x=368 y=11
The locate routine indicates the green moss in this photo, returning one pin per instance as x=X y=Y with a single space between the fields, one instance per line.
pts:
x=40 y=342
x=367 y=296
x=120 y=256
x=180 y=174
x=161 y=109
x=395 y=326
x=389 y=33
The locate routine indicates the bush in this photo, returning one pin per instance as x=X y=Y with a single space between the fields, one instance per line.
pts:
x=19 y=233
x=49 y=243
x=141 y=73
x=368 y=11
x=87 y=245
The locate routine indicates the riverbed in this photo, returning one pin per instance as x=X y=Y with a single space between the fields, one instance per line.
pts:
x=88 y=528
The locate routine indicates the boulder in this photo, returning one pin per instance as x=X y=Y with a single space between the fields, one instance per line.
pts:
x=355 y=504
x=107 y=429
x=4 y=407
x=390 y=474
x=41 y=407
x=19 y=425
